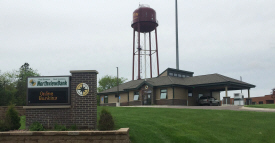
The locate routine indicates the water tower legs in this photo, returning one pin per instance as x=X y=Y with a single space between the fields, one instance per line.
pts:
x=145 y=54
x=133 y=72
x=157 y=50
x=139 y=51
x=150 y=54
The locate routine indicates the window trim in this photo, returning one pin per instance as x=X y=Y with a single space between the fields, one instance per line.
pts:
x=136 y=93
x=199 y=95
x=190 y=92
x=105 y=99
x=163 y=92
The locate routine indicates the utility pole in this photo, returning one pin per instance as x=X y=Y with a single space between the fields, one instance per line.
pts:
x=177 y=43
x=117 y=88
x=241 y=80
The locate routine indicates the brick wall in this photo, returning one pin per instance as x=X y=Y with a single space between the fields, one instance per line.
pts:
x=82 y=111
x=19 y=109
x=180 y=102
x=134 y=103
x=164 y=102
x=117 y=136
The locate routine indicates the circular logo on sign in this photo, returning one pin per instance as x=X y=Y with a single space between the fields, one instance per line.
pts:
x=32 y=82
x=82 y=89
x=146 y=87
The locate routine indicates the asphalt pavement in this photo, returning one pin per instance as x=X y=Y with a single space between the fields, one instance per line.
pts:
x=225 y=107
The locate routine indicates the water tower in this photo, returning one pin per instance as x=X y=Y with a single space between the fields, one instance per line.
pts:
x=144 y=21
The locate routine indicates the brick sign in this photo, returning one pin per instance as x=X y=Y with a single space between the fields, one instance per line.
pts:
x=48 y=91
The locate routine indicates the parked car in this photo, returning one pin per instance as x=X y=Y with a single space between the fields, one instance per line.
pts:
x=206 y=100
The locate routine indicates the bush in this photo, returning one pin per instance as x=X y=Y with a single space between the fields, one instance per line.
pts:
x=106 y=121
x=72 y=128
x=36 y=126
x=59 y=127
x=3 y=126
x=12 y=119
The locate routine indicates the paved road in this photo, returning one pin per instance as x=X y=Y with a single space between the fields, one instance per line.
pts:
x=228 y=107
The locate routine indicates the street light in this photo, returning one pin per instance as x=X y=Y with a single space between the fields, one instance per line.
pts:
x=118 y=104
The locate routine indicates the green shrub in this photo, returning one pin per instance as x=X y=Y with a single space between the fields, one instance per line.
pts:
x=106 y=121
x=72 y=128
x=59 y=127
x=36 y=126
x=3 y=126
x=12 y=119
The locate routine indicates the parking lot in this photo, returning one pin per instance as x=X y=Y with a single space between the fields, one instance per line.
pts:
x=225 y=107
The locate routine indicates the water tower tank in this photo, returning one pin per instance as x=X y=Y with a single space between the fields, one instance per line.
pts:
x=146 y=17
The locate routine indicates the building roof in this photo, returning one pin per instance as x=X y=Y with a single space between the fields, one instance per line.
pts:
x=191 y=82
x=176 y=70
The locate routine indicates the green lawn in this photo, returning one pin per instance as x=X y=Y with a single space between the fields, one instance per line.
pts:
x=23 y=123
x=161 y=125
x=261 y=106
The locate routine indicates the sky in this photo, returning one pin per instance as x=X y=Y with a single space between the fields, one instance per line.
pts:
x=232 y=38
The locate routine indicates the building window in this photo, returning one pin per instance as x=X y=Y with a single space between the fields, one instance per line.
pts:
x=187 y=76
x=261 y=102
x=200 y=95
x=179 y=75
x=105 y=99
x=253 y=103
x=183 y=75
x=175 y=74
x=136 y=95
x=171 y=74
x=190 y=94
x=163 y=94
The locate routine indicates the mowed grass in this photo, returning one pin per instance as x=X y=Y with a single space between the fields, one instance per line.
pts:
x=160 y=125
x=261 y=106
x=22 y=122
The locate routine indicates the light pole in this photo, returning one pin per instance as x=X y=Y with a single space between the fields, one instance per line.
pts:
x=118 y=104
x=177 y=42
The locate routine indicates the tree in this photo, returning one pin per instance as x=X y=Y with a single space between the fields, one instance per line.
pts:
x=107 y=82
x=24 y=72
x=8 y=88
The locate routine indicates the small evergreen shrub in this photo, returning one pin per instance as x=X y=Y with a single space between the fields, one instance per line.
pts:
x=106 y=121
x=72 y=128
x=3 y=126
x=59 y=127
x=12 y=119
x=36 y=126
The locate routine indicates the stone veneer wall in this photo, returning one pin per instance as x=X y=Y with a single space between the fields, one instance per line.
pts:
x=19 y=109
x=83 y=109
x=116 y=136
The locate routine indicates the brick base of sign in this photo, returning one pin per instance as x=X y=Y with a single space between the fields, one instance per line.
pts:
x=116 y=136
x=82 y=111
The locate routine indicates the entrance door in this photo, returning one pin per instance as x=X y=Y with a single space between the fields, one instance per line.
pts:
x=147 y=99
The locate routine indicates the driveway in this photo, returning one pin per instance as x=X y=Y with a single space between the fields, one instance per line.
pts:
x=227 y=107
